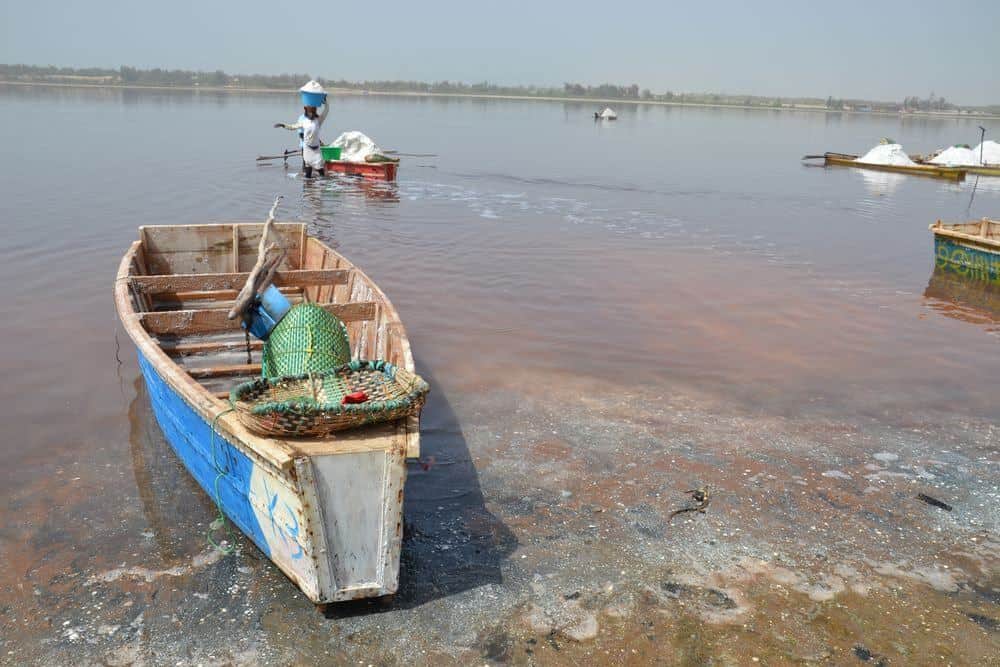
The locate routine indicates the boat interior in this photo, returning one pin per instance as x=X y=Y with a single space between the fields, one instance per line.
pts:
x=182 y=281
x=977 y=230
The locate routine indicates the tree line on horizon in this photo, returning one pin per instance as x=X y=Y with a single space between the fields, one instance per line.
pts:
x=133 y=76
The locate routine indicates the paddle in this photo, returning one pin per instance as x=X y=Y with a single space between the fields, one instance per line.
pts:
x=287 y=155
x=410 y=154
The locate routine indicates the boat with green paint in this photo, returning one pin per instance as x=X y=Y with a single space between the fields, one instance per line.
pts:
x=971 y=249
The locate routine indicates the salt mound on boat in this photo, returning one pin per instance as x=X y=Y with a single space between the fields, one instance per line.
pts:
x=356 y=146
x=956 y=156
x=991 y=152
x=887 y=154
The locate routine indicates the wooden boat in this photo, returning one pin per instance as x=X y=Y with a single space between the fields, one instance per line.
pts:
x=981 y=170
x=382 y=170
x=327 y=512
x=972 y=249
x=934 y=171
x=984 y=170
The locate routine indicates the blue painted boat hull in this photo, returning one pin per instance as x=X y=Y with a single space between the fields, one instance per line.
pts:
x=333 y=525
x=191 y=439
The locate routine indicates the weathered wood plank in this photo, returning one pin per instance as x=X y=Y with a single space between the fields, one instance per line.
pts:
x=210 y=282
x=209 y=248
x=235 y=266
x=224 y=371
x=226 y=296
x=180 y=322
x=205 y=347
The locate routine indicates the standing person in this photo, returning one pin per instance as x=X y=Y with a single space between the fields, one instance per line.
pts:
x=308 y=125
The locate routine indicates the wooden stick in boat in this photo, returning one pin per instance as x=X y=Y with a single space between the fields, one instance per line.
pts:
x=250 y=289
x=247 y=294
x=269 y=272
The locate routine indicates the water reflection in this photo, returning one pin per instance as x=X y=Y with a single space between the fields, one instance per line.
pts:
x=960 y=298
x=983 y=184
x=323 y=198
x=172 y=502
x=880 y=183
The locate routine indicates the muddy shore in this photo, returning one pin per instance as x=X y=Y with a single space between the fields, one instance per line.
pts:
x=543 y=536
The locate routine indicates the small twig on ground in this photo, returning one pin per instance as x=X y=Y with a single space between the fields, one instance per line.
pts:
x=934 y=501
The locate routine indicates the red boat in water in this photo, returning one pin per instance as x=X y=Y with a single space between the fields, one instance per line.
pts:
x=385 y=171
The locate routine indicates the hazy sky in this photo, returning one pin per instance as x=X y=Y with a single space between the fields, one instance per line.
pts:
x=846 y=48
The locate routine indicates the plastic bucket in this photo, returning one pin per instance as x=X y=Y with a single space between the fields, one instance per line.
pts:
x=312 y=99
x=330 y=153
x=271 y=307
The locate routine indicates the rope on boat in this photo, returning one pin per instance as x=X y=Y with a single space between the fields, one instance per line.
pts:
x=220 y=521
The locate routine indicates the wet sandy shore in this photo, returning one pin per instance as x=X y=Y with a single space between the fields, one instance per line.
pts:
x=540 y=532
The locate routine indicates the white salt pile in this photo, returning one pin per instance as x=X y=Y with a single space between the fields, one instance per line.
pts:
x=887 y=154
x=356 y=146
x=991 y=152
x=956 y=156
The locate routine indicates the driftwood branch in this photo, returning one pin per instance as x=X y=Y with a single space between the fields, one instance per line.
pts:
x=270 y=270
x=260 y=268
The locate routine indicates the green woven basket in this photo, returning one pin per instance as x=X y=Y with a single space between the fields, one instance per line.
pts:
x=308 y=339
x=311 y=405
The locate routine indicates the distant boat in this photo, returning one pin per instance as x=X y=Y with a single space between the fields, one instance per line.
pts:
x=934 y=171
x=961 y=157
x=383 y=171
x=607 y=114
x=971 y=249
x=980 y=170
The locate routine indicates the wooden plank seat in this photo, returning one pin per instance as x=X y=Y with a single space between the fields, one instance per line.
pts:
x=208 y=282
x=224 y=371
x=181 y=322
x=181 y=349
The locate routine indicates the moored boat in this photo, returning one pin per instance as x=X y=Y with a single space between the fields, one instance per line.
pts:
x=327 y=511
x=983 y=170
x=980 y=170
x=934 y=171
x=381 y=170
x=971 y=249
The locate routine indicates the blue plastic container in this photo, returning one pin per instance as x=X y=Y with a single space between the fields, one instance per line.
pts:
x=265 y=315
x=312 y=99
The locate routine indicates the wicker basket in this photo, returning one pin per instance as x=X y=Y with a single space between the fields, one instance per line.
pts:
x=312 y=405
x=306 y=340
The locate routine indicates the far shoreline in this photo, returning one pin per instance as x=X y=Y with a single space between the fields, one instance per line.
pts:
x=937 y=115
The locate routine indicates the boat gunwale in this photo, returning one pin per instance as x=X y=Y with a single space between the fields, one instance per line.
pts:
x=987 y=244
